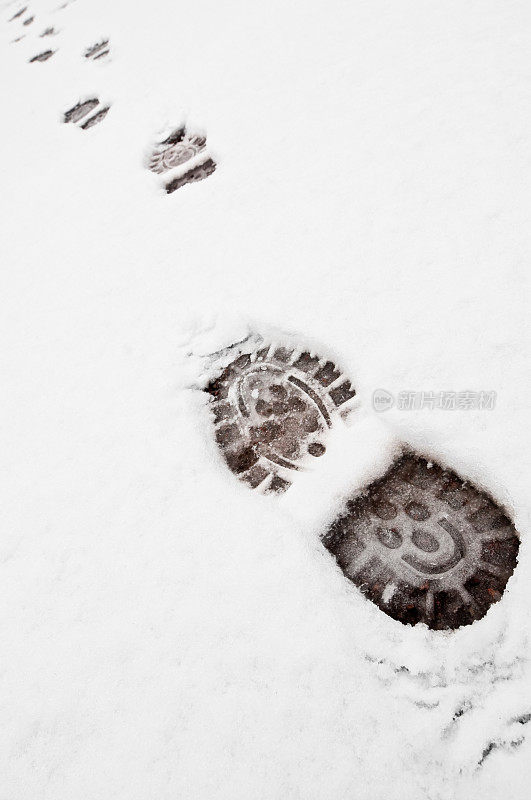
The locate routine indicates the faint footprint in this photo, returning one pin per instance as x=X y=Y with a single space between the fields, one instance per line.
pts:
x=177 y=149
x=18 y=14
x=44 y=56
x=81 y=110
x=97 y=51
x=511 y=738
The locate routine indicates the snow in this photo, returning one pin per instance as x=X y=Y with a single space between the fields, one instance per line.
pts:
x=167 y=633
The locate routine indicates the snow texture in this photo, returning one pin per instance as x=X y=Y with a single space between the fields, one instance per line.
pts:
x=167 y=633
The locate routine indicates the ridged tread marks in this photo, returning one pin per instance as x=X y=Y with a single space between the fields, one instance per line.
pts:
x=177 y=149
x=44 y=56
x=98 y=50
x=18 y=14
x=272 y=409
x=425 y=545
x=82 y=109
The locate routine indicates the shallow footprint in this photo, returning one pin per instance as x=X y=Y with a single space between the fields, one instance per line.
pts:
x=177 y=149
x=18 y=14
x=97 y=51
x=81 y=110
x=44 y=56
x=425 y=545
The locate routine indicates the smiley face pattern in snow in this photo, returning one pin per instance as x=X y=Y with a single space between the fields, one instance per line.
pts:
x=426 y=546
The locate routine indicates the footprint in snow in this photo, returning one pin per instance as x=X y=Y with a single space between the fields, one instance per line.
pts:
x=43 y=56
x=177 y=149
x=18 y=13
x=98 y=50
x=425 y=545
x=421 y=543
x=273 y=406
x=83 y=111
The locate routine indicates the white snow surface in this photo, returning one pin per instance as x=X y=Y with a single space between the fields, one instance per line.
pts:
x=166 y=633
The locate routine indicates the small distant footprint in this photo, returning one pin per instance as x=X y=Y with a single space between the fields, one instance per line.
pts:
x=177 y=149
x=181 y=158
x=18 y=14
x=97 y=51
x=44 y=56
x=82 y=110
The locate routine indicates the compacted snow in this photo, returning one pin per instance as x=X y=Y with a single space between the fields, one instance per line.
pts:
x=166 y=632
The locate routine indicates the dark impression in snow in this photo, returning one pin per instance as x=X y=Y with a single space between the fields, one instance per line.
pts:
x=193 y=175
x=425 y=545
x=42 y=56
x=178 y=148
x=272 y=409
x=174 y=151
x=82 y=110
x=18 y=14
x=99 y=50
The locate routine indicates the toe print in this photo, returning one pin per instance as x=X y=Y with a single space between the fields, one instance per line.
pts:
x=177 y=149
x=426 y=546
x=273 y=408
x=83 y=111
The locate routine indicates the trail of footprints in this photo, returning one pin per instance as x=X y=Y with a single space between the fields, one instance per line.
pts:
x=24 y=22
x=94 y=52
x=421 y=543
x=167 y=157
